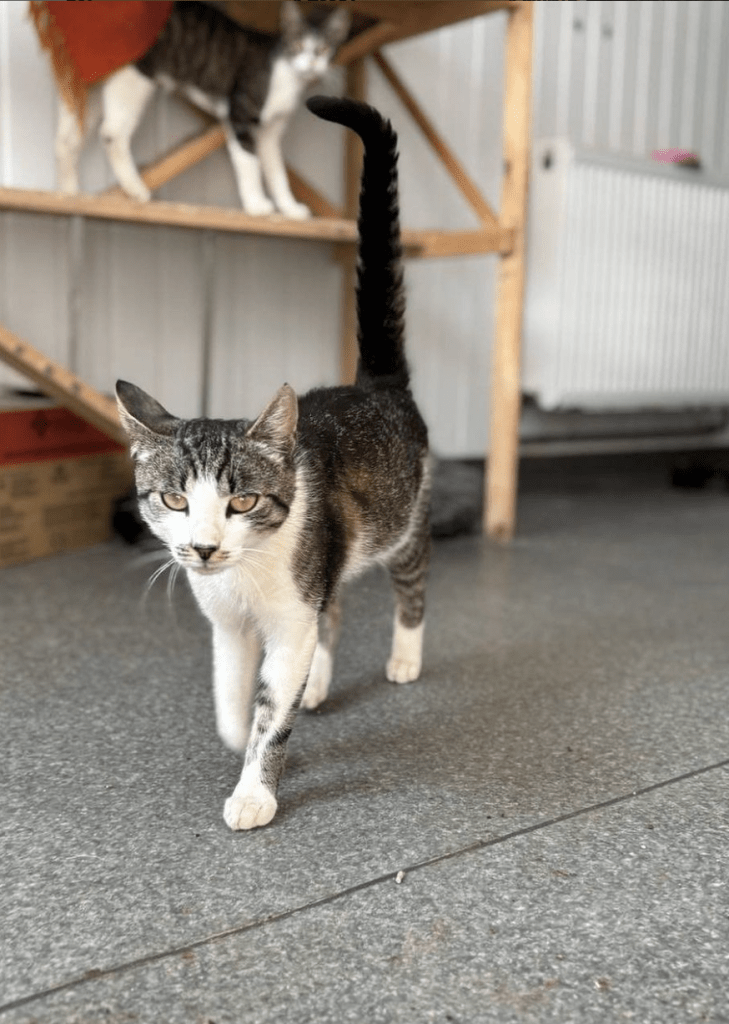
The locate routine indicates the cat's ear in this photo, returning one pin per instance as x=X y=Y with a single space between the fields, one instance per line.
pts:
x=336 y=27
x=292 y=20
x=144 y=419
x=276 y=426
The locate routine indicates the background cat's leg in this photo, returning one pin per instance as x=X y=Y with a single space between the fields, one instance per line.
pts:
x=247 y=170
x=70 y=138
x=268 y=146
x=408 y=571
x=125 y=96
x=320 y=673
x=235 y=666
x=283 y=676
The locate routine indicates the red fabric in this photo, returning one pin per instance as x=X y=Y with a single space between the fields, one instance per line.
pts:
x=103 y=35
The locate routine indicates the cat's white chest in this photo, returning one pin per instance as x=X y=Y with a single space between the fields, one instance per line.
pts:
x=284 y=92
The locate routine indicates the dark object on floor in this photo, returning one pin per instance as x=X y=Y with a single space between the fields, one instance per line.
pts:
x=699 y=473
x=126 y=521
x=455 y=507
x=457 y=498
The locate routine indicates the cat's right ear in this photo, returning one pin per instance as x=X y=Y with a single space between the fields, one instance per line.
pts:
x=144 y=419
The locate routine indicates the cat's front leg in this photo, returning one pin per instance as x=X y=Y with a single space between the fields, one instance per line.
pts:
x=284 y=670
x=235 y=666
x=268 y=147
x=247 y=169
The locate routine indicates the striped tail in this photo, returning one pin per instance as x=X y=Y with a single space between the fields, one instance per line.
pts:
x=380 y=290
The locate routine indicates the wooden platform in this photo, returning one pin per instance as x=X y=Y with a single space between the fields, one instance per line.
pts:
x=375 y=23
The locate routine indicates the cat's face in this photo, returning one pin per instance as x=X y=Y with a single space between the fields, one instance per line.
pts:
x=310 y=50
x=211 y=490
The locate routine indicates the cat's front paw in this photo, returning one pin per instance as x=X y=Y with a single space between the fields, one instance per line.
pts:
x=138 y=191
x=401 y=670
x=261 y=207
x=249 y=807
x=296 y=211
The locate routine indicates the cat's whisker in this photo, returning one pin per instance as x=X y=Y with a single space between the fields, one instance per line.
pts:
x=172 y=579
x=158 y=572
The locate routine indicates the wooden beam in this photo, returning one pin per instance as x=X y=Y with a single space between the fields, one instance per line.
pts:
x=366 y=42
x=455 y=168
x=503 y=456
x=58 y=382
x=356 y=88
x=436 y=244
x=182 y=215
x=402 y=19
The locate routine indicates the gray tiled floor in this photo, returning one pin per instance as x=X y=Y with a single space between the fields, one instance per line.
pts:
x=553 y=789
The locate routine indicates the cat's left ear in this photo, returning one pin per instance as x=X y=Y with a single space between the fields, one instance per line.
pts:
x=291 y=18
x=336 y=27
x=144 y=419
x=276 y=426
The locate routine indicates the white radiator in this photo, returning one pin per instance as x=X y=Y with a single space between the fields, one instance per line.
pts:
x=627 y=302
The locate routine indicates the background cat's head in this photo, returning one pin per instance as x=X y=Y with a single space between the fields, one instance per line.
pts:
x=310 y=47
x=211 y=490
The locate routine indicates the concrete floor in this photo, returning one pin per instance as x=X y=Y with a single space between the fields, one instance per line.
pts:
x=554 y=790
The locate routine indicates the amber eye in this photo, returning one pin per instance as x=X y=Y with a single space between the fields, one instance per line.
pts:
x=243 y=502
x=177 y=502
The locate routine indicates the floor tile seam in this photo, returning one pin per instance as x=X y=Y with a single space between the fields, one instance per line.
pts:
x=475 y=847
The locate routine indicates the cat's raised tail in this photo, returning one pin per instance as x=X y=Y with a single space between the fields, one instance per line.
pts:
x=380 y=290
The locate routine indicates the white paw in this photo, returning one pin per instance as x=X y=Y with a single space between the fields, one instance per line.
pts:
x=407 y=653
x=139 y=192
x=68 y=185
x=262 y=207
x=400 y=671
x=296 y=211
x=249 y=807
x=320 y=675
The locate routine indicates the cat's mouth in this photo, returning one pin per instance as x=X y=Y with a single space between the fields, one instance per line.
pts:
x=207 y=568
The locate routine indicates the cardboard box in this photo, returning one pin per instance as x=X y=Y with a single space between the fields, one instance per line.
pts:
x=59 y=478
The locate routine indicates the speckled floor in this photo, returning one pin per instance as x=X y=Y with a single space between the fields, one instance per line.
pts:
x=554 y=792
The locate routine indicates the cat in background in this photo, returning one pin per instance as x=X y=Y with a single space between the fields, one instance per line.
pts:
x=270 y=517
x=251 y=82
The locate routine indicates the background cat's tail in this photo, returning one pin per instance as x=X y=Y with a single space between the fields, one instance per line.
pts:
x=380 y=290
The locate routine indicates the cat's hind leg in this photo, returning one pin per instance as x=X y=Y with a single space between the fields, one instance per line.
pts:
x=236 y=653
x=125 y=96
x=320 y=673
x=71 y=135
x=408 y=571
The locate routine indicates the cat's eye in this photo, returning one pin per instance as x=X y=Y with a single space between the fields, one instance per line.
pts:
x=243 y=502
x=177 y=502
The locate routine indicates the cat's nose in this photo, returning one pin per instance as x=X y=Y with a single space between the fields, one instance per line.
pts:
x=204 y=550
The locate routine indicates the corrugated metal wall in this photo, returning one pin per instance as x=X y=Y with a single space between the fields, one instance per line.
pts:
x=629 y=77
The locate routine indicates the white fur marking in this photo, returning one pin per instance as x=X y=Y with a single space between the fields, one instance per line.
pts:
x=125 y=95
x=407 y=653
x=320 y=676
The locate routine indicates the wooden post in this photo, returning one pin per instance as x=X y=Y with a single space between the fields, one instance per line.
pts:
x=503 y=456
x=356 y=89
